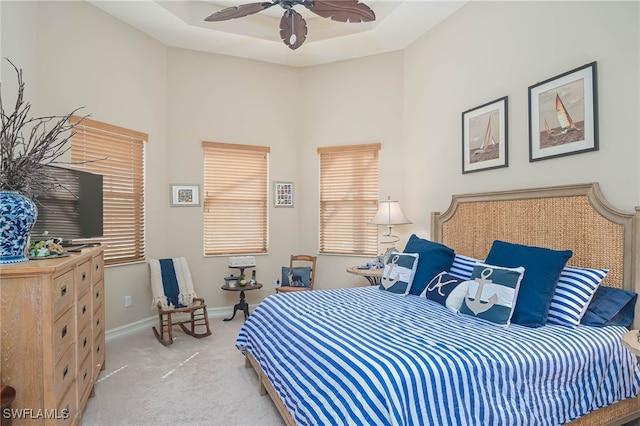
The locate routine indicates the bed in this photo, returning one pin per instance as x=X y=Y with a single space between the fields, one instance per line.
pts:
x=366 y=356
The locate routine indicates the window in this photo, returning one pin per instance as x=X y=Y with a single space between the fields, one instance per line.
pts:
x=118 y=155
x=235 y=198
x=348 y=199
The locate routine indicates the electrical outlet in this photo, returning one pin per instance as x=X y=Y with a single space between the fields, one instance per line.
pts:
x=127 y=301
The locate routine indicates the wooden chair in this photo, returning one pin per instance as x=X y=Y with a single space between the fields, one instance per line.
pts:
x=300 y=260
x=173 y=293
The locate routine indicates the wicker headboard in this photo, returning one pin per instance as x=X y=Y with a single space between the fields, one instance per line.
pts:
x=575 y=217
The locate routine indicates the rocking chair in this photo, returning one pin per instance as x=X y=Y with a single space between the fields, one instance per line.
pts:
x=173 y=293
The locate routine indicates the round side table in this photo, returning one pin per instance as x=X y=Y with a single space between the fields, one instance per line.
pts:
x=373 y=275
x=241 y=305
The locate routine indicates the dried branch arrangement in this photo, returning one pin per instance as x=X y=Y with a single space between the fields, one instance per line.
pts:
x=28 y=144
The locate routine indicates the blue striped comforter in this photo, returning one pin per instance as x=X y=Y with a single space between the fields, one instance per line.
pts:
x=363 y=356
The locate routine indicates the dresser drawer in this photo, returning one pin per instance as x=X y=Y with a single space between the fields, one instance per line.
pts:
x=85 y=340
x=84 y=380
x=84 y=310
x=63 y=333
x=98 y=296
x=62 y=296
x=98 y=354
x=63 y=374
x=98 y=321
x=97 y=266
x=67 y=410
x=83 y=277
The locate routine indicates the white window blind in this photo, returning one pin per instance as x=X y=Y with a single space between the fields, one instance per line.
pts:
x=118 y=155
x=349 y=199
x=235 y=198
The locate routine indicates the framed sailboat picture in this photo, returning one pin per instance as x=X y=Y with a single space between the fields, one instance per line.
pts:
x=563 y=114
x=484 y=137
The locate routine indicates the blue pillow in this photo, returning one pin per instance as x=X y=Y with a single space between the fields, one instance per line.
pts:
x=543 y=268
x=296 y=277
x=434 y=258
x=574 y=291
x=610 y=306
x=399 y=272
x=446 y=289
x=492 y=293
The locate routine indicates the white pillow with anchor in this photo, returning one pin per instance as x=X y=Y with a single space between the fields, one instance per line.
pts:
x=492 y=293
x=399 y=272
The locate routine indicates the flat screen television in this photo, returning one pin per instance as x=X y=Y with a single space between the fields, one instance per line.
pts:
x=72 y=210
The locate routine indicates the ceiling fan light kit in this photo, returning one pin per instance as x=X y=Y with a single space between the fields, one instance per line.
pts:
x=293 y=27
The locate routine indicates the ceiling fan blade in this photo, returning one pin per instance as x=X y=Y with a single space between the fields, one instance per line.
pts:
x=343 y=10
x=293 y=29
x=239 y=11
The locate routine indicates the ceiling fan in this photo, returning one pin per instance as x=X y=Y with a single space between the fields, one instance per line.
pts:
x=293 y=28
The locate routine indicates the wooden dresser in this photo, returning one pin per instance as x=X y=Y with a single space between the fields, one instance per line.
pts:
x=52 y=344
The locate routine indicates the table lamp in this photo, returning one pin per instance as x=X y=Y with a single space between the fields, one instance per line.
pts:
x=389 y=214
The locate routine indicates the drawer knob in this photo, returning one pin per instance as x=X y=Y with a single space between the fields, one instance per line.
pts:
x=84 y=343
x=84 y=276
x=63 y=290
x=64 y=331
x=84 y=309
x=84 y=377
x=65 y=371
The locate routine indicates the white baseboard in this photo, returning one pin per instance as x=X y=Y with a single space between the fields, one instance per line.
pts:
x=151 y=321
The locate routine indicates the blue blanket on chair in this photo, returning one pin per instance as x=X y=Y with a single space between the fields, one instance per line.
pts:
x=170 y=282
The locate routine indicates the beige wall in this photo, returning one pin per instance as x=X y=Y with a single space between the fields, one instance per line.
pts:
x=410 y=101
x=349 y=102
x=18 y=43
x=76 y=55
x=224 y=99
x=487 y=50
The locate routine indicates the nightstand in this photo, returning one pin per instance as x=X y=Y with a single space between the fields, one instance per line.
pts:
x=630 y=340
x=373 y=275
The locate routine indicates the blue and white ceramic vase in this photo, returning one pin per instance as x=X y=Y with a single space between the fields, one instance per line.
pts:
x=17 y=216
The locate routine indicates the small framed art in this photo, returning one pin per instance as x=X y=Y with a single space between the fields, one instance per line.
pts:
x=185 y=195
x=283 y=194
x=484 y=137
x=563 y=114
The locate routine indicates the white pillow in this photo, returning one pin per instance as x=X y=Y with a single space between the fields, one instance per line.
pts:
x=573 y=293
x=399 y=272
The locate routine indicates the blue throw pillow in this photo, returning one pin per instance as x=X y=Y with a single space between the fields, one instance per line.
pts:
x=574 y=291
x=296 y=277
x=399 y=272
x=434 y=258
x=447 y=290
x=543 y=268
x=492 y=293
x=610 y=306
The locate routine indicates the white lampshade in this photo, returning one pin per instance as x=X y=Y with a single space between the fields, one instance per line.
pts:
x=389 y=214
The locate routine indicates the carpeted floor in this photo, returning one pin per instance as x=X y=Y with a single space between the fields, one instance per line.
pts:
x=192 y=382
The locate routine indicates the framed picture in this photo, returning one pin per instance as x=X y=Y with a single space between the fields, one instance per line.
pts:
x=283 y=194
x=563 y=114
x=185 y=195
x=485 y=137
